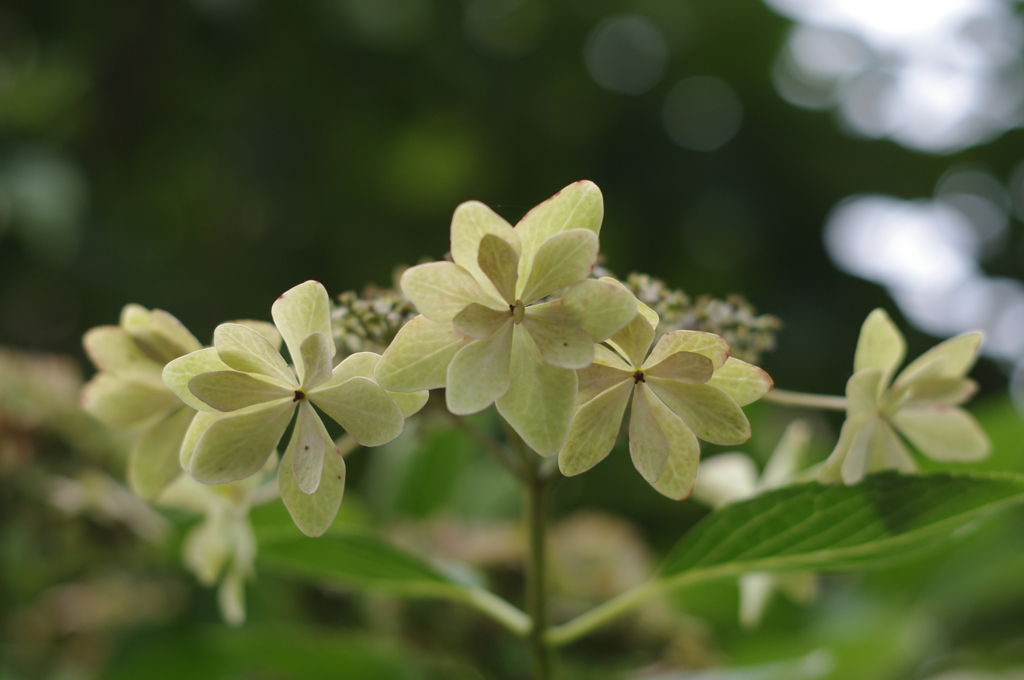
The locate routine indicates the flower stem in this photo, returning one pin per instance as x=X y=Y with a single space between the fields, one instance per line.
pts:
x=537 y=498
x=804 y=400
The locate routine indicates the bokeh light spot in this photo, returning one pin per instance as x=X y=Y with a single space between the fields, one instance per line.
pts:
x=702 y=113
x=626 y=54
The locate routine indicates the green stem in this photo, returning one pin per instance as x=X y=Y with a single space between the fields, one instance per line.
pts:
x=501 y=611
x=804 y=400
x=537 y=497
x=602 y=614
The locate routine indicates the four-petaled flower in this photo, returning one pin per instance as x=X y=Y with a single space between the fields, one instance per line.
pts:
x=246 y=394
x=488 y=330
x=221 y=548
x=128 y=394
x=920 y=404
x=733 y=477
x=688 y=387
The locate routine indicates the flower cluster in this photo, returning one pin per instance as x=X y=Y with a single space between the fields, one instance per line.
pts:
x=512 y=316
x=369 y=321
x=749 y=335
x=246 y=395
x=921 y=404
x=128 y=394
x=687 y=387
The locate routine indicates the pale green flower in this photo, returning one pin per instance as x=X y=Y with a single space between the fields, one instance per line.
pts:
x=733 y=477
x=128 y=393
x=221 y=548
x=489 y=331
x=247 y=393
x=688 y=387
x=920 y=404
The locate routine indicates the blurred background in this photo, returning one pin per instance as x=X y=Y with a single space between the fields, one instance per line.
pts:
x=821 y=157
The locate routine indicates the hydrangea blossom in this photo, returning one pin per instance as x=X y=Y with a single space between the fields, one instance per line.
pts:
x=247 y=393
x=221 y=548
x=512 y=317
x=921 y=404
x=733 y=477
x=128 y=394
x=687 y=387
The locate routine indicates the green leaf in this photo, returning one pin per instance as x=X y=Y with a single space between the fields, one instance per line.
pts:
x=355 y=559
x=830 y=528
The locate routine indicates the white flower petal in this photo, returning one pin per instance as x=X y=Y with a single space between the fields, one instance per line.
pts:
x=314 y=513
x=317 y=351
x=944 y=433
x=633 y=341
x=178 y=373
x=830 y=471
x=680 y=473
x=708 y=344
x=197 y=428
x=541 y=399
x=648 y=444
x=246 y=350
x=307 y=446
x=363 y=408
x=577 y=206
x=725 y=478
x=888 y=452
x=855 y=465
x=477 y=321
x=479 y=372
x=153 y=463
x=788 y=456
x=687 y=367
x=594 y=430
x=756 y=589
x=561 y=261
x=952 y=358
x=112 y=350
x=560 y=344
x=499 y=262
x=744 y=382
x=300 y=312
x=471 y=222
x=418 y=357
x=708 y=411
x=365 y=364
x=440 y=290
x=862 y=393
x=231 y=390
x=880 y=346
x=264 y=328
x=596 y=378
x=126 y=404
x=237 y=445
x=600 y=307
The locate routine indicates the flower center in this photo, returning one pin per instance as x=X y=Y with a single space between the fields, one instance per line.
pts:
x=638 y=377
x=299 y=395
x=518 y=310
